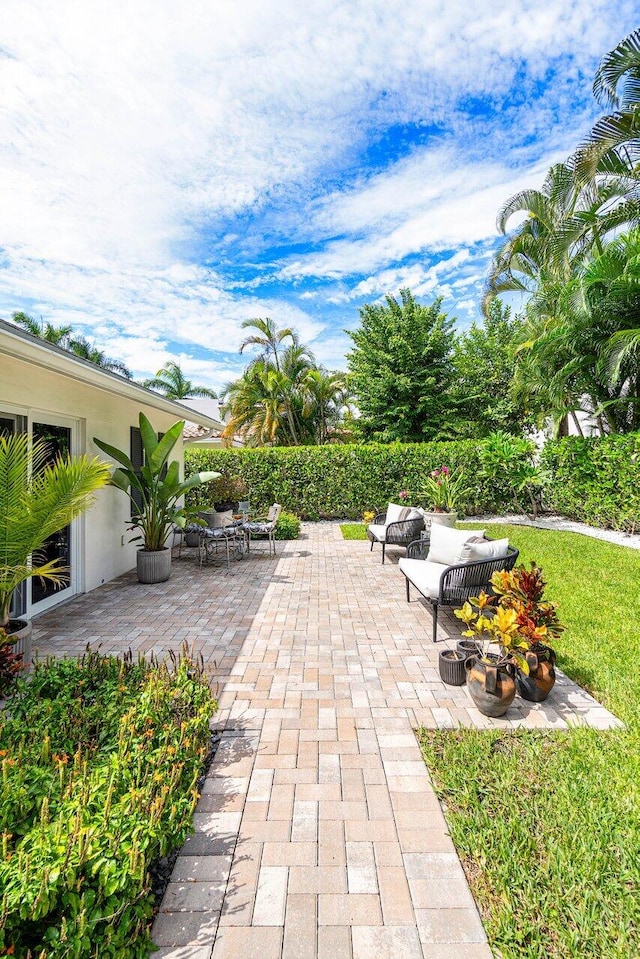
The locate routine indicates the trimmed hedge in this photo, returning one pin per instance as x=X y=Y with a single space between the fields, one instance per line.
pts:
x=340 y=482
x=595 y=480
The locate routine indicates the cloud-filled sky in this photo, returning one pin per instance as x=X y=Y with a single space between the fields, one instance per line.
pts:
x=167 y=171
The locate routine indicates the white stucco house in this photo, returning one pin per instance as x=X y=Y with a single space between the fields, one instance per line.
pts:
x=49 y=392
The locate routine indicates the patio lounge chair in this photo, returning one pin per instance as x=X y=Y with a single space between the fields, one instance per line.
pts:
x=452 y=583
x=264 y=526
x=397 y=526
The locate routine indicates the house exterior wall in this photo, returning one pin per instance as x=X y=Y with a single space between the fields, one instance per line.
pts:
x=35 y=392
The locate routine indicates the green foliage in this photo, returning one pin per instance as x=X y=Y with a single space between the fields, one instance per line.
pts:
x=287 y=527
x=344 y=480
x=171 y=381
x=37 y=499
x=400 y=369
x=595 y=480
x=508 y=464
x=100 y=759
x=157 y=484
x=548 y=823
x=484 y=362
x=10 y=663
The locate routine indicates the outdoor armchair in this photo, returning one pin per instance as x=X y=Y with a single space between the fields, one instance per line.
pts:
x=396 y=532
x=264 y=526
x=444 y=585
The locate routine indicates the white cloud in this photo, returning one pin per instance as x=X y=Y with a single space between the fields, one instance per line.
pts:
x=133 y=134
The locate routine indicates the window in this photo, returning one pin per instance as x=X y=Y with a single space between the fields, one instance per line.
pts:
x=137 y=459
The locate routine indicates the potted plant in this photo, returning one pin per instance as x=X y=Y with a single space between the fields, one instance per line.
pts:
x=451 y=663
x=160 y=493
x=521 y=590
x=441 y=494
x=490 y=676
x=37 y=499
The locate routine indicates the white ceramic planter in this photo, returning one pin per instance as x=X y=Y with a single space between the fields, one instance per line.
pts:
x=442 y=519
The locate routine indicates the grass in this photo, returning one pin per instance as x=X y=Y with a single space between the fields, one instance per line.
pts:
x=548 y=824
x=353 y=530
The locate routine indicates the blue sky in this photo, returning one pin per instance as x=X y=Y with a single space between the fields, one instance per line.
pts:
x=167 y=173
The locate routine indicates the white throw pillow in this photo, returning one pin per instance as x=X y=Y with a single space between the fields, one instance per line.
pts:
x=395 y=513
x=446 y=544
x=491 y=549
x=414 y=513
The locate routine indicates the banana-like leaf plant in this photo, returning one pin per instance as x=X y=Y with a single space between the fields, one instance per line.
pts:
x=158 y=507
x=38 y=499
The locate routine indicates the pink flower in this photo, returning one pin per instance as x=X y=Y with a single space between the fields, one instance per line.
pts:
x=435 y=474
x=403 y=493
x=444 y=470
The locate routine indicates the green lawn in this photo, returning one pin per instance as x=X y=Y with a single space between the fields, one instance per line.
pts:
x=548 y=824
x=354 y=530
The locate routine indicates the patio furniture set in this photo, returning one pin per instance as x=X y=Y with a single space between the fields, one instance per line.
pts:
x=232 y=533
x=446 y=566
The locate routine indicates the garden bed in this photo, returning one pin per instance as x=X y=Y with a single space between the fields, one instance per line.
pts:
x=100 y=765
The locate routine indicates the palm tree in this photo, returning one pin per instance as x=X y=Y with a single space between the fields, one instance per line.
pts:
x=58 y=335
x=171 y=381
x=613 y=146
x=88 y=351
x=256 y=407
x=37 y=499
x=269 y=339
x=326 y=399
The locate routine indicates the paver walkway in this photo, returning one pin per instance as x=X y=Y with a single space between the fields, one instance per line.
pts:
x=318 y=834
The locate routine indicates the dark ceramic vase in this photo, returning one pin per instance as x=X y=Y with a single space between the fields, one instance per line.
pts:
x=491 y=685
x=542 y=675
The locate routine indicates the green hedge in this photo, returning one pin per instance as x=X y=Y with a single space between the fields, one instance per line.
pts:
x=340 y=482
x=99 y=761
x=595 y=480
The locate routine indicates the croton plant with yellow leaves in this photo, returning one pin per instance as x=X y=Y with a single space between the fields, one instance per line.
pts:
x=517 y=618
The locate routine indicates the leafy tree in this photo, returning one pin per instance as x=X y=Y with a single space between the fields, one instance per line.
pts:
x=400 y=369
x=63 y=336
x=484 y=362
x=268 y=338
x=171 y=381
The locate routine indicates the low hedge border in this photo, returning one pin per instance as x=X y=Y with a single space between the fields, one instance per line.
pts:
x=100 y=761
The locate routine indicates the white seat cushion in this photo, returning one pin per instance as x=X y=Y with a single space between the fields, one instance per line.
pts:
x=378 y=531
x=424 y=575
x=492 y=549
x=446 y=544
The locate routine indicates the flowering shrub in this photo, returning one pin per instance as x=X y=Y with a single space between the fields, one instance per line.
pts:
x=10 y=663
x=441 y=491
x=99 y=761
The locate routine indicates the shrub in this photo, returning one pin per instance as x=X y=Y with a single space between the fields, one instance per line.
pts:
x=343 y=481
x=287 y=527
x=595 y=480
x=100 y=758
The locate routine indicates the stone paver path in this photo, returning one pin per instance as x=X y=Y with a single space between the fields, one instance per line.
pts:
x=318 y=834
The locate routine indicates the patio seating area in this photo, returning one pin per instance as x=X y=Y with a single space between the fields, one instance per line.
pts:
x=318 y=833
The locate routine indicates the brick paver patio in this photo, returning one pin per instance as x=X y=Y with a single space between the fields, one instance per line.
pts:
x=318 y=834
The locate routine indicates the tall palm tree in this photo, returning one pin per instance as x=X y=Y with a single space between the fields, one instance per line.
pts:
x=89 y=351
x=37 y=499
x=613 y=145
x=269 y=339
x=256 y=407
x=171 y=381
x=58 y=335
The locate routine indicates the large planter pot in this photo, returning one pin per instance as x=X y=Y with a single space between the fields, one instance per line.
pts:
x=491 y=685
x=20 y=631
x=542 y=676
x=451 y=666
x=442 y=519
x=154 y=566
